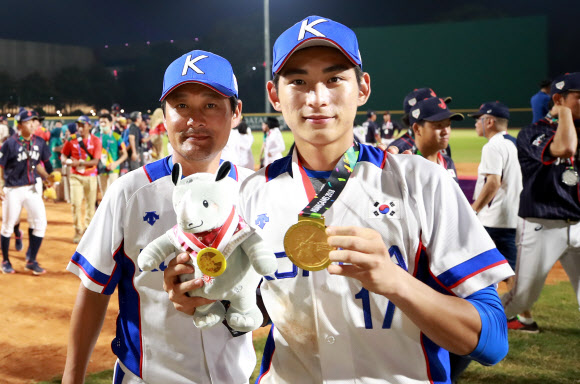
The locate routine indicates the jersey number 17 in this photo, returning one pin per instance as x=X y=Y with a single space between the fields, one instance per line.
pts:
x=364 y=295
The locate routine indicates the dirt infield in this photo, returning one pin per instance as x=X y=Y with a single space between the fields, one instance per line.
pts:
x=35 y=311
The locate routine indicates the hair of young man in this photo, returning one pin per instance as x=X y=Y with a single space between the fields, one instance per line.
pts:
x=357 y=71
x=106 y=116
x=233 y=103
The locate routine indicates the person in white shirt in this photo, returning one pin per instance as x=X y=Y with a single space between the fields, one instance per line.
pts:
x=245 y=141
x=4 y=130
x=274 y=143
x=499 y=179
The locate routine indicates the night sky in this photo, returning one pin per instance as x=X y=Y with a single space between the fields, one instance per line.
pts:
x=96 y=23
x=234 y=29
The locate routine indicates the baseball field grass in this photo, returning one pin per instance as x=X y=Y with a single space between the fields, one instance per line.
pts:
x=465 y=144
x=552 y=356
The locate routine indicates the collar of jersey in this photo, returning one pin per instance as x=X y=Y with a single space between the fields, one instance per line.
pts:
x=367 y=153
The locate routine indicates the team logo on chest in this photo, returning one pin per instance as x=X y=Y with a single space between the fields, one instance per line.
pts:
x=151 y=217
x=261 y=220
x=389 y=208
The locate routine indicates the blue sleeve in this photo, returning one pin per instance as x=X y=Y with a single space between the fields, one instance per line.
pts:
x=493 y=341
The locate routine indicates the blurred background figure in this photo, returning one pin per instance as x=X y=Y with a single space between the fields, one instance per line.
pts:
x=245 y=141
x=4 y=129
x=82 y=153
x=372 y=130
x=540 y=101
x=113 y=154
x=132 y=135
x=230 y=151
x=157 y=133
x=57 y=136
x=274 y=142
x=388 y=128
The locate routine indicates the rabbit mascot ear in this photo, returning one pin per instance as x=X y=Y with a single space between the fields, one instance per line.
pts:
x=223 y=170
x=176 y=173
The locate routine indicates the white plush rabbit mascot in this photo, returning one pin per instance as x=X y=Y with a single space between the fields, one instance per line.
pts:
x=226 y=252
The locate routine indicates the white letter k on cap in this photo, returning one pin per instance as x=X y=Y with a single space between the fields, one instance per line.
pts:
x=191 y=64
x=309 y=27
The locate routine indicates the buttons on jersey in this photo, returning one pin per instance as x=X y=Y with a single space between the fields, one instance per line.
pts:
x=330 y=339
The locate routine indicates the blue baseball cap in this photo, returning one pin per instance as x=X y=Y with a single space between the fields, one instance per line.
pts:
x=432 y=109
x=493 y=108
x=25 y=115
x=84 y=119
x=565 y=83
x=315 y=31
x=419 y=94
x=204 y=68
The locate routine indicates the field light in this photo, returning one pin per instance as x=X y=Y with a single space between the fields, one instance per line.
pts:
x=9 y=115
x=122 y=111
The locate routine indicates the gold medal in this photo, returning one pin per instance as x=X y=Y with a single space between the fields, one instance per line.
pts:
x=306 y=244
x=211 y=262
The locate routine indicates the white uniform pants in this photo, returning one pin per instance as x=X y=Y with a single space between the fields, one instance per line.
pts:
x=28 y=197
x=540 y=244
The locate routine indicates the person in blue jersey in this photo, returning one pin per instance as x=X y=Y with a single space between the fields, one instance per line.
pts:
x=540 y=101
x=549 y=155
x=411 y=272
x=154 y=343
x=24 y=161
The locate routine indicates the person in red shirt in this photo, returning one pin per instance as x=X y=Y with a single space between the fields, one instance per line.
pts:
x=40 y=130
x=82 y=152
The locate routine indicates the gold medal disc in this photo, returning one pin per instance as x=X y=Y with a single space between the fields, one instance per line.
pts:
x=306 y=244
x=211 y=262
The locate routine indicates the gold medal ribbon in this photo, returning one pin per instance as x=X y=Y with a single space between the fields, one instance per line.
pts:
x=306 y=242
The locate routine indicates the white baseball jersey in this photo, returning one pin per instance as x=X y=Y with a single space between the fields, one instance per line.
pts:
x=327 y=328
x=500 y=157
x=154 y=341
x=274 y=146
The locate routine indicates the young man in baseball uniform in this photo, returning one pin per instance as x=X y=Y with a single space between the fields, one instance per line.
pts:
x=407 y=140
x=430 y=120
x=548 y=153
x=24 y=159
x=403 y=273
x=154 y=342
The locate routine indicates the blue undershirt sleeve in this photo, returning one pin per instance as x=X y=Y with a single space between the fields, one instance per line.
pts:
x=493 y=341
